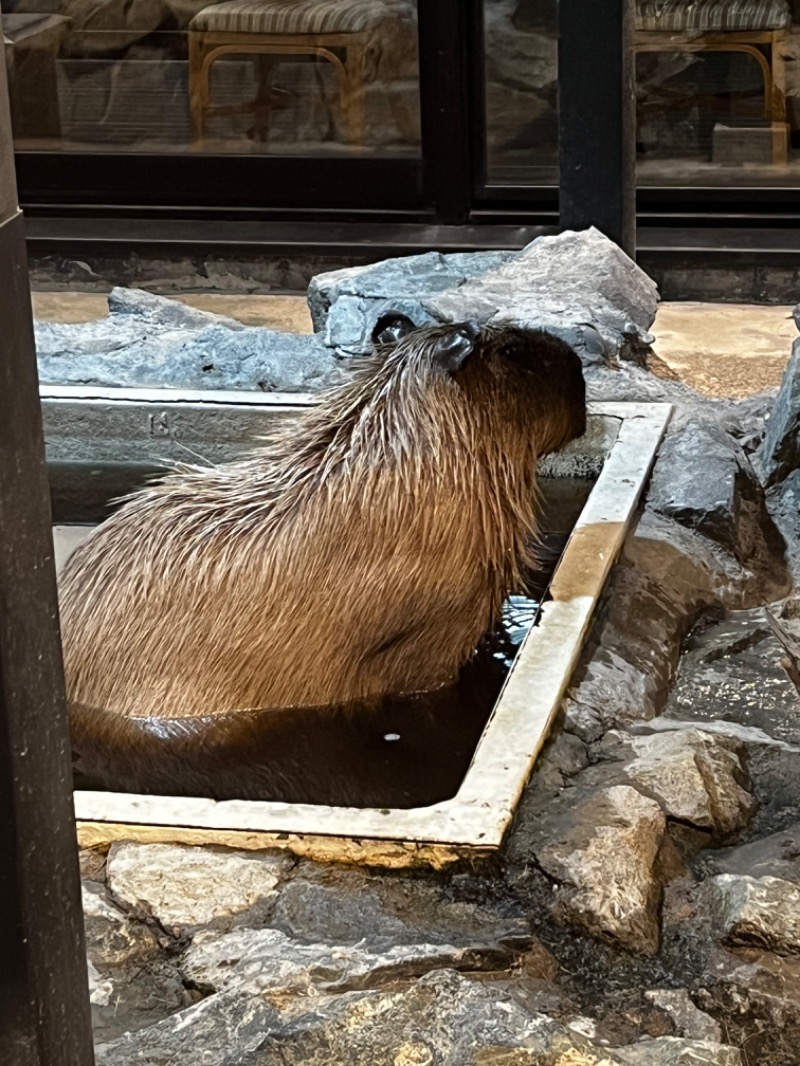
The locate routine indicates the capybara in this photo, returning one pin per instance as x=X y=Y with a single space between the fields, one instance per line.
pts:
x=362 y=550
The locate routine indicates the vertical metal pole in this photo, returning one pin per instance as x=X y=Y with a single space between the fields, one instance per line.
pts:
x=444 y=107
x=597 y=118
x=44 y=998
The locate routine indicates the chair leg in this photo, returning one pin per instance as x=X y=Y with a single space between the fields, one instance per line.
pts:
x=198 y=88
x=265 y=66
x=777 y=105
x=353 y=95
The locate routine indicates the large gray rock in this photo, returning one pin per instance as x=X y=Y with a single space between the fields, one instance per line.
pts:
x=267 y=961
x=779 y=455
x=219 y=1031
x=363 y=294
x=731 y=670
x=148 y=340
x=666 y=576
x=442 y=1019
x=688 y=1020
x=696 y=778
x=133 y=977
x=601 y=847
x=776 y=855
x=579 y=286
x=757 y=912
x=673 y=1051
x=183 y=888
x=783 y=500
x=338 y=905
x=704 y=480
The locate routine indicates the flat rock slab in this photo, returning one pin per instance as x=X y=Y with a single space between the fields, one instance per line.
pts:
x=579 y=286
x=779 y=455
x=268 y=961
x=732 y=671
x=443 y=1018
x=220 y=1031
x=601 y=847
x=134 y=980
x=149 y=340
x=704 y=480
x=183 y=888
x=776 y=855
x=758 y=912
x=340 y=906
x=689 y=1020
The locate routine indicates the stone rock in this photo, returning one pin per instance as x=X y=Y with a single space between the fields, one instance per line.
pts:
x=688 y=1020
x=779 y=455
x=100 y=988
x=148 y=340
x=267 y=961
x=407 y=279
x=442 y=1018
x=731 y=670
x=759 y=912
x=748 y=735
x=112 y=938
x=704 y=480
x=664 y=578
x=672 y=1051
x=783 y=501
x=776 y=855
x=339 y=906
x=133 y=979
x=186 y=887
x=579 y=286
x=600 y=847
x=219 y=1031
x=696 y=778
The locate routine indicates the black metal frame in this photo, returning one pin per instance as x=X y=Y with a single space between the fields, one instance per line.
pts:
x=44 y=996
x=446 y=185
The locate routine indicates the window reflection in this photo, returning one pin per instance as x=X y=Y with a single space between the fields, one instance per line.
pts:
x=280 y=76
x=716 y=87
x=521 y=50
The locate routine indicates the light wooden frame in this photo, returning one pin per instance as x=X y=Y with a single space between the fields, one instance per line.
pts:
x=475 y=821
x=762 y=45
x=206 y=47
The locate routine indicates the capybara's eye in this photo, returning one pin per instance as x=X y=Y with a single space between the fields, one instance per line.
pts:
x=389 y=329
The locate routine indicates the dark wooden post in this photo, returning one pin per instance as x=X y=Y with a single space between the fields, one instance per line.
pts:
x=597 y=118
x=44 y=996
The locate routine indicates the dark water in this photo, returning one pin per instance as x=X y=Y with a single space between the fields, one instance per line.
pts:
x=400 y=752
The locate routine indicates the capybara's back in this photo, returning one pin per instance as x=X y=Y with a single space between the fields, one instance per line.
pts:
x=363 y=550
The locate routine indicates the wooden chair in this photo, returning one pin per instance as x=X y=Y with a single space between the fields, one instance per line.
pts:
x=756 y=28
x=338 y=31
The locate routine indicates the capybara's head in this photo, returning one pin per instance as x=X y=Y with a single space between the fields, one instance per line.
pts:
x=513 y=379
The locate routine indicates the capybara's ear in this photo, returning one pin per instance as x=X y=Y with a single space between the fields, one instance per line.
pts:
x=453 y=349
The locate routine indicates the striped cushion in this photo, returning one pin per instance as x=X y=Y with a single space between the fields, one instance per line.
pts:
x=290 y=16
x=712 y=16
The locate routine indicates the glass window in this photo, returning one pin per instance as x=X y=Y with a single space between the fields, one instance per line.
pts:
x=521 y=49
x=253 y=76
x=717 y=87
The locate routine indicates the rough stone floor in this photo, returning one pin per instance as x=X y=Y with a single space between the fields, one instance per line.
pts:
x=731 y=350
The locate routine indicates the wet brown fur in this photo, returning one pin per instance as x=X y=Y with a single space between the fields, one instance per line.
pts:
x=363 y=550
